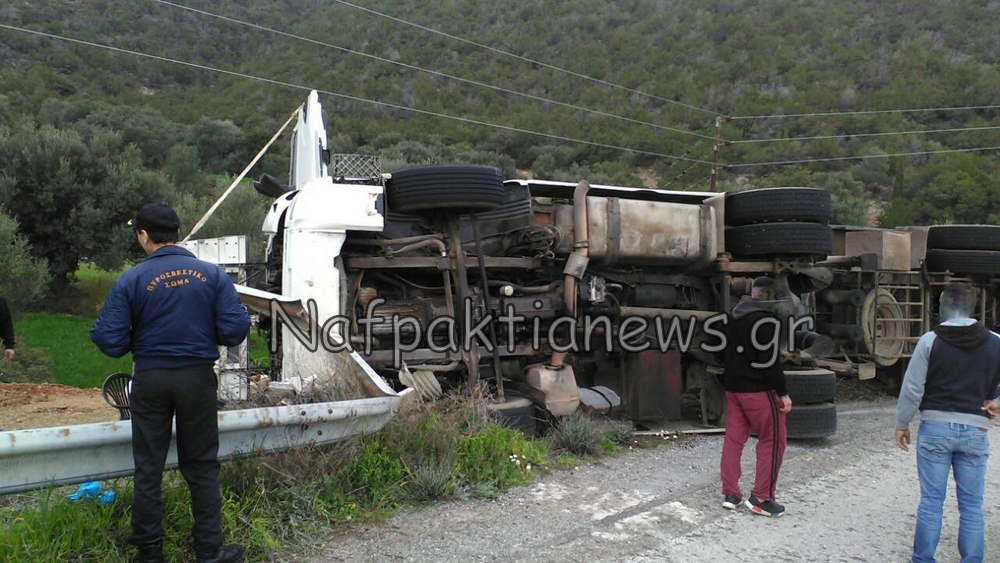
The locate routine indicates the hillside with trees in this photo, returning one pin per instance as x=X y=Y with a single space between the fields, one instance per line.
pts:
x=87 y=133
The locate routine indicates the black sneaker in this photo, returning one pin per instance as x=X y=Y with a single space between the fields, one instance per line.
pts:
x=765 y=507
x=731 y=502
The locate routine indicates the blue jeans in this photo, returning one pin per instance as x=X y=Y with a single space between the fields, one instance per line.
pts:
x=944 y=447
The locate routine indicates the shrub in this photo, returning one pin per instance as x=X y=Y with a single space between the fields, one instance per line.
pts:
x=22 y=278
x=576 y=433
x=617 y=431
x=93 y=285
x=432 y=481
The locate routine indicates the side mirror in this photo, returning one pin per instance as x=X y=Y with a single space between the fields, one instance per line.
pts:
x=270 y=186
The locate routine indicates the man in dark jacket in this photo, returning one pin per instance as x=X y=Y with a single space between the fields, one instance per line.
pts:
x=953 y=378
x=6 y=331
x=756 y=399
x=172 y=312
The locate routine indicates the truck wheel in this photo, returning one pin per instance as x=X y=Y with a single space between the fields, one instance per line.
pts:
x=451 y=187
x=806 y=205
x=788 y=239
x=811 y=386
x=883 y=327
x=964 y=237
x=963 y=261
x=517 y=413
x=811 y=421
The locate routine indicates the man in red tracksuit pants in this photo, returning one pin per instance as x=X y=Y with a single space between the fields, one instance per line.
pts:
x=756 y=399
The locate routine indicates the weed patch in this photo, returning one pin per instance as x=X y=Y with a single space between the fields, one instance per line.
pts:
x=617 y=431
x=567 y=460
x=576 y=433
x=607 y=447
x=30 y=365
x=499 y=457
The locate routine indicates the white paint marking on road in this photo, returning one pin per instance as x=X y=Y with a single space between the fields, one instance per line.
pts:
x=687 y=514
x=611 y=536
x=547 y=491
x=612 y=503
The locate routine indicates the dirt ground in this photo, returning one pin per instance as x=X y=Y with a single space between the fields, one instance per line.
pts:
x=42 y=405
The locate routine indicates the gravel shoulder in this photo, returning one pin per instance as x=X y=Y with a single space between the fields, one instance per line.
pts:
x=850 y=498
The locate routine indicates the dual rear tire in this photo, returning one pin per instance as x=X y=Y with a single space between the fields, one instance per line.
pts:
x=963 y=249
x=814 y=412
x=792 y=222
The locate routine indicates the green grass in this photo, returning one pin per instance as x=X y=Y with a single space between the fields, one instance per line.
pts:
x=94 y=285
x=76 y=361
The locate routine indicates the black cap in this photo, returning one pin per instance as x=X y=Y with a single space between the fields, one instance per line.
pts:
x=156 y=218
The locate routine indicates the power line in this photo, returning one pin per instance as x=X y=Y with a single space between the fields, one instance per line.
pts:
x=775 y=163
x=682 y=174
x=434 y=72
x=861 y=112
x=525 y=59
x=696 y=182
x=850 y=135
x=346 y=96
x=687 y=152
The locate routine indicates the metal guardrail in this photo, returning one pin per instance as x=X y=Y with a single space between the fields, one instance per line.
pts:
x=43 y=457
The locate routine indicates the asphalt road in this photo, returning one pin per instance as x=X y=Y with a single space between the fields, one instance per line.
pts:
x=850 y=498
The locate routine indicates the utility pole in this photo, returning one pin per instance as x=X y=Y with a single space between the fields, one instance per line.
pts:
x=715 y=153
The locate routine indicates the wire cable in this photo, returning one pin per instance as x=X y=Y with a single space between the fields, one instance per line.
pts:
x=696 y=182
x=687 y=152
x=526 y=59
x=433 y=72
x=345 y=96
x=859 y=157
x=850 y=135
x=860 y=112
x=681 y=175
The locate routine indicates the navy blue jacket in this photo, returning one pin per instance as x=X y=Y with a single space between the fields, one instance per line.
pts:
x=172 y=310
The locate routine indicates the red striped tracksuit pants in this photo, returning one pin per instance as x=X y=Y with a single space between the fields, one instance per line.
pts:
x=757 y=412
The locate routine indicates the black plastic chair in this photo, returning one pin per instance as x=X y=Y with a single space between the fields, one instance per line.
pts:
x=115 y=390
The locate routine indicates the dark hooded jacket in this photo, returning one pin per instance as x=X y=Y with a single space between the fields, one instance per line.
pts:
x=741 y=354
x=961 y=370
x=6 y=325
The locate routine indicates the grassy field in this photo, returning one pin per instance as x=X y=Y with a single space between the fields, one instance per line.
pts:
x=66 y=340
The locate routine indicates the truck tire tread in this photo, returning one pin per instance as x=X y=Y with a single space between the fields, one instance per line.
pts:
x=806 y=205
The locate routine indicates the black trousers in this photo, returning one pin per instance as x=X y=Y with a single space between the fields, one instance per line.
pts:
x=190 y=394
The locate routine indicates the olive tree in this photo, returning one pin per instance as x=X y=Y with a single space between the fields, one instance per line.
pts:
x=73 y=193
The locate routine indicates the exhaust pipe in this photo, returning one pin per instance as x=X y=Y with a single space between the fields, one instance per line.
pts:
x=576 y=264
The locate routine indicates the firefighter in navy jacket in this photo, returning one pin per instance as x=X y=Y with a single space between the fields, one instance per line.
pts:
x=172 y=312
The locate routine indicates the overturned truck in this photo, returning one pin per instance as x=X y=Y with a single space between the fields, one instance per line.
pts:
x=557 y=296
x=552 y=295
